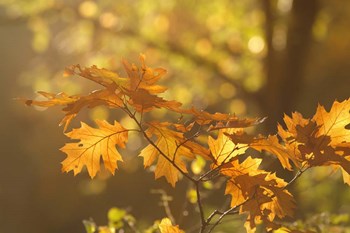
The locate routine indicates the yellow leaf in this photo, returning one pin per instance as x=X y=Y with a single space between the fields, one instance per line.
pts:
x=223 y=149
x=333 y=123
x=170 y=148
x=94 y=143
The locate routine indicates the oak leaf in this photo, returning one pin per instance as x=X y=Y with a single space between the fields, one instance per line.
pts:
x=93 y=144
x=334 y=122
x=169 y=148
x=223 y=150
x=100 y=76
x=144 y=77
x=259 y=193
x=220 y=120
x=74 y=104
x=143 y=101
x=322 y=140
x=260 y=143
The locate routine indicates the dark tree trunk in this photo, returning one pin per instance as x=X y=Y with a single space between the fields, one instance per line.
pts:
x=285 y=69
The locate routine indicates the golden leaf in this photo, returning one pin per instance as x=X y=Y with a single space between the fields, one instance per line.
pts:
x=170 y=149
x=94 y=143
x=223 y=149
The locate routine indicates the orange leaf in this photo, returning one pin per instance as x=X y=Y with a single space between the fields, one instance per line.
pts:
x=221 y=120
x=94 y=143
x=333 y=123
x=73 y=104
x=170 y=149
x=260 y=193
x=223 y=150
x=260 y=143
x=272 y=145
x=321 y=141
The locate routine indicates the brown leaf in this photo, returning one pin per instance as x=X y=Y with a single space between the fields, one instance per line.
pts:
x=260 y=193
x=322 y=140
x=143 y=101
x=220 y=120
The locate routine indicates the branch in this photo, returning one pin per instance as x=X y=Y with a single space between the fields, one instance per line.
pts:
x=201 y=178
x=201 y=212
x=155 y=146
x=233 y=210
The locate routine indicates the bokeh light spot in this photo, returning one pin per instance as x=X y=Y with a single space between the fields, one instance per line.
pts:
x=238 y=107
x=88 y=9
x=215 y=22
x=227 y=90
x=161 y=23
x=284 y=5
x=256 y=44
x=228 y=66
x=203 y=47
x=108 y=20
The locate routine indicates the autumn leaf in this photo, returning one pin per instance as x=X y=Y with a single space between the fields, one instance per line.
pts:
x=271 y=144
x=74 y=104
x=100 y=76
x=143 y=101
x=260 y=143
x=169 y=149
x=144 y=77
x=220 y=120
x=235 y=169
x=322 y=140
x=333 y=123
x=166 y=226
x=259 y=193
x=139 y=90
x=94 y=143
x=223 y=150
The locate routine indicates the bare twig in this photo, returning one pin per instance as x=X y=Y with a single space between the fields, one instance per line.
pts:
x=165 y=203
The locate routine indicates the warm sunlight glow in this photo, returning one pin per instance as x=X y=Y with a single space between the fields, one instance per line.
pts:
x=161 y=23
x=203 y=47
x=256 y=44
x=284 y=5
x=108 y=20
x=88 y=9
x=227 y=90
x=238 y=107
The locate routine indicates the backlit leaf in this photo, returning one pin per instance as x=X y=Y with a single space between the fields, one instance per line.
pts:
x=93 y=144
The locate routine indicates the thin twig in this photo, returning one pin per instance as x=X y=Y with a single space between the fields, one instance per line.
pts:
x=155 y=146
x=201 y=212
x=165 y=203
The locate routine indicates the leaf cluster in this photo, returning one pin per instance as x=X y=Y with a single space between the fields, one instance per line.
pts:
x=219 y=139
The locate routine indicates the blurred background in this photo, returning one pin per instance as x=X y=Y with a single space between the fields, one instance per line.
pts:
x=251 y=58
